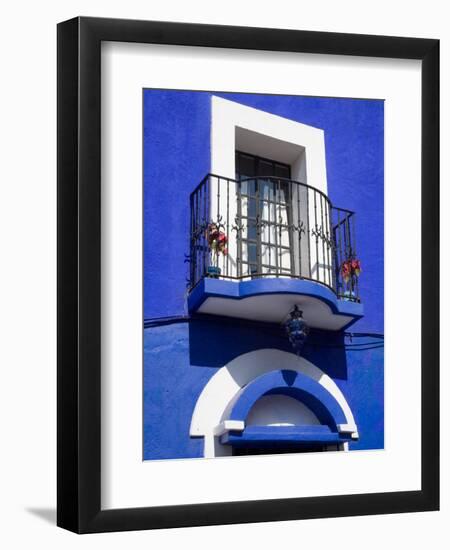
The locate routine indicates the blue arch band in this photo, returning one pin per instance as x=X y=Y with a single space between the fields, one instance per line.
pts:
x=300 y=387
x=293 y=384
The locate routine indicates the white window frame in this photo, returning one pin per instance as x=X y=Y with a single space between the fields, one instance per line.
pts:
x=238 y=127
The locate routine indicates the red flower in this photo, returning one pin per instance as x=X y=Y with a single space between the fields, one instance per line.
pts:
x=350 y=268
x=217 y=239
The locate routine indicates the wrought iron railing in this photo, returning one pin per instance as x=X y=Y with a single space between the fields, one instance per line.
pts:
x=270 y=227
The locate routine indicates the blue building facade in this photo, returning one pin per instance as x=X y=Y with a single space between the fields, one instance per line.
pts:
x=299 y=194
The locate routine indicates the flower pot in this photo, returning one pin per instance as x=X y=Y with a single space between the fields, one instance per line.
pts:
x=213 y=271
x=349 y=296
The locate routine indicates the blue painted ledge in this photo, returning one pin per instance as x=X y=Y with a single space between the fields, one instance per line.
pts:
x=294 y=435
x=270 y=299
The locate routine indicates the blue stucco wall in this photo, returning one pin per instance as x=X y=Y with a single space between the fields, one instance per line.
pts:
x=181 y=357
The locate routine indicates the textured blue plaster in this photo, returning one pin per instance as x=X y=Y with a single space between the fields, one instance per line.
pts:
x=359 y=373
x=176 y=158
x=171 y=389
x=179 y=359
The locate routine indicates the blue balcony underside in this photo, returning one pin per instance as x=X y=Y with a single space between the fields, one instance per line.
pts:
x=270 y=299
x=260 y=436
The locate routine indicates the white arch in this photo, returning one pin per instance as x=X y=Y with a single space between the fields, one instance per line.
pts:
x=225 y=384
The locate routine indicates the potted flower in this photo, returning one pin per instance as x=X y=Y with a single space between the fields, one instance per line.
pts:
x=350 y=270
x=217 y=241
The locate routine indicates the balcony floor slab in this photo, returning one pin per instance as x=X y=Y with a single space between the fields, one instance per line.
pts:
x=270 y=299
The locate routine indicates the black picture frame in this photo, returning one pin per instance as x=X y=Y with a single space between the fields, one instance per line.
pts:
x=79 y=280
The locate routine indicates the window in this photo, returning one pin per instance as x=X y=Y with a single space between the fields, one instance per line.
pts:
x=265 y=216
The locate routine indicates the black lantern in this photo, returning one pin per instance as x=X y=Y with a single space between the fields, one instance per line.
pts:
x=297 y=329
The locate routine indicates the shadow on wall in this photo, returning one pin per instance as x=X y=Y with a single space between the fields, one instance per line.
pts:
x=215 y=341
x=326 y=350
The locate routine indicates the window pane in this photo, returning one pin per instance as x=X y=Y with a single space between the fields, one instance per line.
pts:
x=283 y=236
x=251 y=251
x=282 y=192
x=265 y=168
x=268 y=234
x=246 y=166
x=282 y=171
x=251 y=230
x=285 y=259
x=251 y=208
x=269 y=255
x=264 y=248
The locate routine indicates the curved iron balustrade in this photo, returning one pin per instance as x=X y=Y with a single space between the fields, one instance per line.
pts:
x=270 y=227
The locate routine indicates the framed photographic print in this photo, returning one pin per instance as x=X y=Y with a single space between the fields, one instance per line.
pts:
x=248 y=290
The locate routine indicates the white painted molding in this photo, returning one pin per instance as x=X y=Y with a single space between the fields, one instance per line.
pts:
x=212 y=405
x=236 y=126
x=228 y=425
x=346 y=428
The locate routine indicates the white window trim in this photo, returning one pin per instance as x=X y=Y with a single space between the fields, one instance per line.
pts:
x=239 y=127
x=230 y=124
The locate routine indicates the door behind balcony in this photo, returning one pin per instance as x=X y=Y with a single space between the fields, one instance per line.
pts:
x=265 y=215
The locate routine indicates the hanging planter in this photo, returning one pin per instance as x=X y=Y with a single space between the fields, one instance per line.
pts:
x=217 y=242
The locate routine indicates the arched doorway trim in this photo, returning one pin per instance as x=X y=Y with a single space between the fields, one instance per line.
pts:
x=210 y=420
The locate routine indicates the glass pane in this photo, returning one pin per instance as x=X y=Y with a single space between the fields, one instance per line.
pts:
x=268 y=234
x=283 y=236
x=282 y=192
x=246 y=166
x=245 y=268
x=251 y=208
x=267 y=211
x=282 y=171
x=251 y=230
x=248 y=187
x=266 y=190
x=251 y=251
x=285 y=259
x=265 y=168
x=269 y=255
x=281 y=214
x=264 y=246
x=251 y=188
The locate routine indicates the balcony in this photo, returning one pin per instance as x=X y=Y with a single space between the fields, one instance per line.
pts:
x=261 y=245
